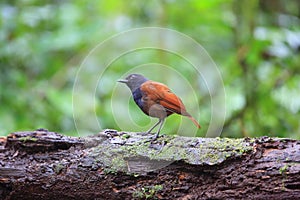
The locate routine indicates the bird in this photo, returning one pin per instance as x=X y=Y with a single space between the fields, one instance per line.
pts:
x=156 y=100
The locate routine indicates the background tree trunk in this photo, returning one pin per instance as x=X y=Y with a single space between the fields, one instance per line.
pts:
x=118 y=165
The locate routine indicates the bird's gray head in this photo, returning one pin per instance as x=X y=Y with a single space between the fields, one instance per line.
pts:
x=134 y=81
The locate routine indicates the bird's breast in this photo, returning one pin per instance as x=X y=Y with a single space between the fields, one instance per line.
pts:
x=138 y=98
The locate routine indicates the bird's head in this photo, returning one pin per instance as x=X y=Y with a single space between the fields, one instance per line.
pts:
x=134 y=81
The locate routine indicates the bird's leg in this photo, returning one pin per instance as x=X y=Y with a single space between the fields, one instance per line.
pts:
x=161 y=125
x=155 y=125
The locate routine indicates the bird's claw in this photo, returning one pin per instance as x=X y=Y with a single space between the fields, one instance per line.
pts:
x=153 y=137
x=158 y=145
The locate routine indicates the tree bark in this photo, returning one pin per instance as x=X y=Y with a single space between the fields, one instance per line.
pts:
x=117 y=165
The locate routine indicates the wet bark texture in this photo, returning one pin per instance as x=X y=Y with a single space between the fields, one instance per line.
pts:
x=117 y=165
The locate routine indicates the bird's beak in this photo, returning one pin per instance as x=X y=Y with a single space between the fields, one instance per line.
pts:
x=123 y=81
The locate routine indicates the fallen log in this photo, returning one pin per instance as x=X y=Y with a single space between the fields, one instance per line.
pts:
x=119 y=165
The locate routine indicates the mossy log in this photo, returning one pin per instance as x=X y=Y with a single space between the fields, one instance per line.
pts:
x=119 y=165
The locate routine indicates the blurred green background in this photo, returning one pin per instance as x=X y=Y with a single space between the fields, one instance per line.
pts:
x=255 y=44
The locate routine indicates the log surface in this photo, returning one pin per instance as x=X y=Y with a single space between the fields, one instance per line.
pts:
x=117 y=165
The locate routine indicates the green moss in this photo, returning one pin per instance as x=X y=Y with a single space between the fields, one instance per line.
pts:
x=125 y=136
x=283 y=169
x=147 y=192
x=196 y=151
x=109 y=171
x=28 y=139
x=58 y=168
x=118 y=163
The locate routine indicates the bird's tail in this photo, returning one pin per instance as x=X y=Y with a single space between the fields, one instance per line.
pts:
x=194 y=121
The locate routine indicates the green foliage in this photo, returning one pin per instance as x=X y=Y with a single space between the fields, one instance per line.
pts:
x=254 y=43
x=147 y=192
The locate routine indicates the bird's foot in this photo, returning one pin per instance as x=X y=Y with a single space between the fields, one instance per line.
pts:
x=156 y=136
x=151 y=138
x=157 y=144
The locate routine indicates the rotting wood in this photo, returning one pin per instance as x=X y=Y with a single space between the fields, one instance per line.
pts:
x=117 y=165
